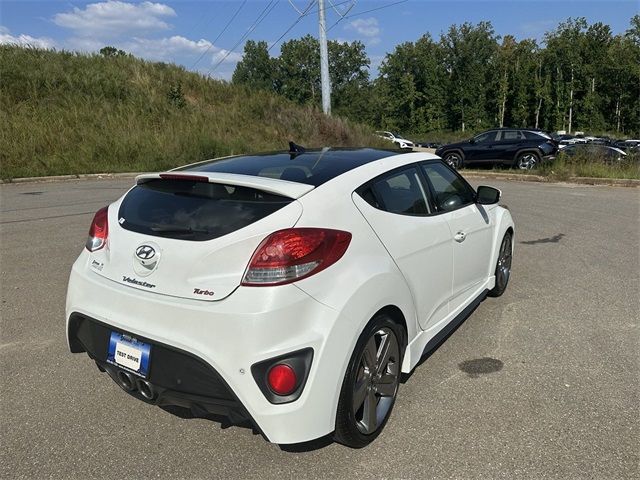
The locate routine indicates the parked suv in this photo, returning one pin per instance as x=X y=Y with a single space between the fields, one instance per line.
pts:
x=523 y=149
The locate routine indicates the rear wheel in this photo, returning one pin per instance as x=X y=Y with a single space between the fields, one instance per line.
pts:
x=371 y=383
x=503 y=266
x=453 y=159
x=527 y=160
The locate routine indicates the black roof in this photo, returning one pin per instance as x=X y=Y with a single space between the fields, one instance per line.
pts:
x=313 y=167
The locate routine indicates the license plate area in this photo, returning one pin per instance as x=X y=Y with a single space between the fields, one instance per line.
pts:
x=129 y=353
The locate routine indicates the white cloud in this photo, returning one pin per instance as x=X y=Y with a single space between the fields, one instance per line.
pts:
x=25 y=40
x=366 y=27
x=163 y=48
x=113 y=18
x=233 y=57
x=168 y=49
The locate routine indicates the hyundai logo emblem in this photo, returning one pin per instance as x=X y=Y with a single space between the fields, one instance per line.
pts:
x=145 y=252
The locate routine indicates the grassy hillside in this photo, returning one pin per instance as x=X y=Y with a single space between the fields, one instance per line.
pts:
x=67 y=113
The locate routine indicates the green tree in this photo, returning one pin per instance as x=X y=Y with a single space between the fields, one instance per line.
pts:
x=256 y=69
x=349 y=74
x=469 y=58
x=112 y=52
x=298 y=74
x=412 y=87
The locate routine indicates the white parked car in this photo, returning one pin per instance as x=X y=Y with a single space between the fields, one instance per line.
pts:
x=395 y=138
x=287 y=289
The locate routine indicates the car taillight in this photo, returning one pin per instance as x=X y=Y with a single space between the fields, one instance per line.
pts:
x=99 y=230
x=295 y=253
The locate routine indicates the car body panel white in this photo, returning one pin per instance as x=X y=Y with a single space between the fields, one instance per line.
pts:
x=470 y=261
x=422 y=249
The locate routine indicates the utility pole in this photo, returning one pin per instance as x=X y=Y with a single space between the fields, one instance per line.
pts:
x=324 y=60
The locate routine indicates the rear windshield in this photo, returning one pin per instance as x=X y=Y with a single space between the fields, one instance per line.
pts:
x=194 y=210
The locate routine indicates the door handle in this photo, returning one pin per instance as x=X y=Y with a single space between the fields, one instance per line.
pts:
x=459 y=237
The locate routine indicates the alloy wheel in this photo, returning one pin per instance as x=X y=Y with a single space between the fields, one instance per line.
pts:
x=376 y=382
x=453 y=160
x=504 y=263
x=527 y=161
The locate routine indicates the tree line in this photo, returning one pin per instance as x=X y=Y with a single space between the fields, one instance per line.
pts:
x=581 y=77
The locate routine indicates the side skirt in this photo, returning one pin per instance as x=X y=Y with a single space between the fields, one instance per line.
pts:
x=442 y=334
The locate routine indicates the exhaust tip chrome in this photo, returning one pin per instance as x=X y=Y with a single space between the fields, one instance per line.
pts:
x=126 y=381
x=146 y=389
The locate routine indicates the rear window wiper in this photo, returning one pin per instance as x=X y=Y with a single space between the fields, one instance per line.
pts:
x=177 y=229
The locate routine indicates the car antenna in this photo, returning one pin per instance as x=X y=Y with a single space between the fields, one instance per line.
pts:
x=295 y=150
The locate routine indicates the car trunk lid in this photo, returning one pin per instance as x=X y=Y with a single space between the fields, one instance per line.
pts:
x=192 y=236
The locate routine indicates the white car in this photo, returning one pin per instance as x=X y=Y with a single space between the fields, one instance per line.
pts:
x=287 y=289
x=395 y=138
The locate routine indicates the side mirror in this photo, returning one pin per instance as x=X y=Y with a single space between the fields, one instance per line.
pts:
x=487 y=195
x=472 y=140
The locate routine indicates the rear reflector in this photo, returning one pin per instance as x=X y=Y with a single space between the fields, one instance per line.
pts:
x=293 y=254
x=282 y=379
x=99 y=230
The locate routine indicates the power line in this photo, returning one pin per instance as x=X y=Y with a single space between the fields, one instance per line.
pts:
x=219 y=35
x=301 y=15
x=265 y=12
x=305 y=14
x=367 y=11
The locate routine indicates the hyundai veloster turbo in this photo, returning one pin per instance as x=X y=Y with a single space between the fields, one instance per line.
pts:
x=288 y=289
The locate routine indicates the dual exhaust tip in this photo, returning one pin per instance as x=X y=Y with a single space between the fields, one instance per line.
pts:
x=130 y=383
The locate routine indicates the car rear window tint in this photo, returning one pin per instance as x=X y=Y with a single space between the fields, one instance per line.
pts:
x=192 y=210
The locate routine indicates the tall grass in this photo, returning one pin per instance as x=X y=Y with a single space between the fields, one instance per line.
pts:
x=589 y=165
x=69 y=113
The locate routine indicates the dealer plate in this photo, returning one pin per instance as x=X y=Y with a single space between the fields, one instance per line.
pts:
x=129 y=354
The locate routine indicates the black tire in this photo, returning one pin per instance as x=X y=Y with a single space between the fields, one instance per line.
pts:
x=503 y=266
x=526 y=161
x=454 y=159
x=352 y=429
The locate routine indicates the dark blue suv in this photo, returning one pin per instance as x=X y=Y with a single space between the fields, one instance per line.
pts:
x=519 y=148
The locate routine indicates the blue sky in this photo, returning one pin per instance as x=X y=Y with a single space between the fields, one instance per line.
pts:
x=190 y=33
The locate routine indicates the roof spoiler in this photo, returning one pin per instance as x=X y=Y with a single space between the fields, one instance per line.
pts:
x=270 y=185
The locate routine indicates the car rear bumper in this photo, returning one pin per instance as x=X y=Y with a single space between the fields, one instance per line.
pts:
x=214 y=345
x=176 y=378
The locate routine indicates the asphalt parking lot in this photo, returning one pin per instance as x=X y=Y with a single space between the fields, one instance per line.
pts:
x=540 y=383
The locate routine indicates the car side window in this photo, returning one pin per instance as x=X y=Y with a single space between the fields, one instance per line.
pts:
x=399 y=192
x=487 y=137
x=532 y=136
x=511 y=135
x=449 y=190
